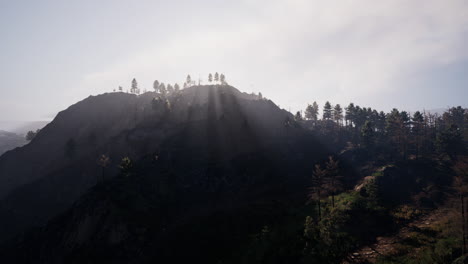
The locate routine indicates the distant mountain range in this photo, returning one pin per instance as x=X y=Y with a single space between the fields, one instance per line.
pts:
x=22 y=127
x=9 y=141
x=12 y=134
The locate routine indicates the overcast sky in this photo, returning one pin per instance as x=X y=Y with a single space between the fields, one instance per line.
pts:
x=382 y=54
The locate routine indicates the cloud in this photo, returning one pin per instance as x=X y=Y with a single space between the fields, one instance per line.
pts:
x=312 y=50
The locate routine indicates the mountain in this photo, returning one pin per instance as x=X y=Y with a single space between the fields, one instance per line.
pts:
x=24 y=127
x=9 y=141
x=194 y=152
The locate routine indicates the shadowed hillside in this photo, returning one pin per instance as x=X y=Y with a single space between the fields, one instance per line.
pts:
x=202 y=131
x=215 y=175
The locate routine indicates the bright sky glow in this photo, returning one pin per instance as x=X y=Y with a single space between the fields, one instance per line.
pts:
x=382 y=54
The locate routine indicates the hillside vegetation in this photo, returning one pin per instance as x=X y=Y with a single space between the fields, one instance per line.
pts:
x=208 y=173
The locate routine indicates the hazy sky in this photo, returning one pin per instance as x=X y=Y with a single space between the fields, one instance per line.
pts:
x=383 y=54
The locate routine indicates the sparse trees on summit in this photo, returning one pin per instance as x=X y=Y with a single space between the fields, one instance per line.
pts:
x=156 y=86
x=160 y=87
x=188 y=80
x=217 y=78
x=134 y=88
x=222 y=79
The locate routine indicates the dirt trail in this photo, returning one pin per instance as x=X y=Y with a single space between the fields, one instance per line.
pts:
x=386 y=245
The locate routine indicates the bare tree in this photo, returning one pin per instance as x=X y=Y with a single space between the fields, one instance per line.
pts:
x=316 y=190
x=461 y=186
x=333 y=178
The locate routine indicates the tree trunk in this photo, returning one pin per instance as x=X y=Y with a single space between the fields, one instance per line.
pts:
x=463 y=224
x=333 y=200
x=319 y=212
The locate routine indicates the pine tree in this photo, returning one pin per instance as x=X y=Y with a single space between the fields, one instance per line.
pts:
x=367 y=135
x=103 y=162
x=222 y=79
x=298 y=116
x=31 y=135
x=450 y=142
x=216 y=77
x=333 y=178
x=134 y=88
x=210 y=77
x=156 y=86
x=327 y=111
x=397 y=130
x=170 y=89
x=189 y=80
x=162 y=89
x=120 y=89
x=380 y=125
x=126 y=166
x=350 y=114
x=310 y=113
x=316 y=191
x=176 y=88
x=338 y=114
x=417 y=130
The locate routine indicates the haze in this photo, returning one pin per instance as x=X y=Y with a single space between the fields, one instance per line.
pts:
x=382 y=54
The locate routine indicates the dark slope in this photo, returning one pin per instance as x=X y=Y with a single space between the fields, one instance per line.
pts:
x=226 y=164
x=203 y=131
x=42 y=178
